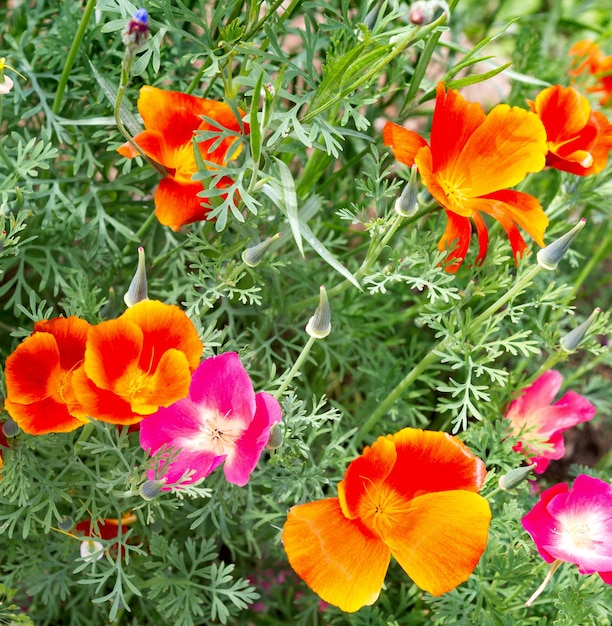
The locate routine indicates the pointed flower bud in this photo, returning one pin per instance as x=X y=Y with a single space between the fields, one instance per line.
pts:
x=276 y=437
x=572 y=340
x=150 y=489
x=135 y=34
x=406 y=205
x=319 y=325
x=549 y=257
x=514 y=477
x=137 y=291
x=252 y=256
x=10 y=428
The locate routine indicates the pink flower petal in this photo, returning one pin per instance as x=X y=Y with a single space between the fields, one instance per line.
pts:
x=540 y=394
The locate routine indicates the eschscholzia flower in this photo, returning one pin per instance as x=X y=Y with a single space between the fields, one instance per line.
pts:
x=579 y=139
x=540 y=424
x=470 y=162
x=574 y=525
x=171 y=121
x=40 y=374
x=137 y=363
x=221 y=421
x=590 y=59
x=411 y=495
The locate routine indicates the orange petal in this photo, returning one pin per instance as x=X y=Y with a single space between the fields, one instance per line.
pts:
x=333 y=556
x=100 y=404
x=164 y=327
x=457 y=238
x=483 y=237
x=153 y=144
x=563 y=111
x=501 y=152
x=404 y=143
x=441 y=539
x=430 y=461
x=70 y=335
x=366 y=471
x=42 y=417
x=113 y=348
x=519 y=208
x=178 y=204
x=455 y=120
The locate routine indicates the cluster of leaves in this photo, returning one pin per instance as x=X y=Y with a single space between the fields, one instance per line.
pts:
x=316 y=79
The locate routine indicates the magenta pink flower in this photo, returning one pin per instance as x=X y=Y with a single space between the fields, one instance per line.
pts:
x=575 y=525
x=540 y=424
x=222 y=420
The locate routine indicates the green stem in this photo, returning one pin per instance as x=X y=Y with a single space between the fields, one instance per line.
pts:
x=432 y=355
x=141 y=231
x=600 y=252
x=70 y=59
x=296 y=366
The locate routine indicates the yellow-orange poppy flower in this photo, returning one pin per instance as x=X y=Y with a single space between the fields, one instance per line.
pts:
x=588 y=58
x=137 y=363
x=39 y=376
x=470 y=162
x=171 y=119
x=579 y=139
x=411 y=495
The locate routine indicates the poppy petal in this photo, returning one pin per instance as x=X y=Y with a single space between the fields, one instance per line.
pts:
x=483 y=237
x=178 y=204
x=430 y=461
x=404 y=143
x=42 y=417
x=564 y=111
x=340 y=563
x=70 y=335
x=442 y=538
x=153 y=144
x=457 y=234
x=508 y=145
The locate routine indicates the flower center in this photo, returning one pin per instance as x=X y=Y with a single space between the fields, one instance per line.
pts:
x=579 y=535
x=381 y=508
x=457 y=197
x=185 y=164
x=218 y=433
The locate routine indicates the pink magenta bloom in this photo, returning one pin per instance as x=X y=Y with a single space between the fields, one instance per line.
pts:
x=575 y=525
x=540 y=424
x=221 y=420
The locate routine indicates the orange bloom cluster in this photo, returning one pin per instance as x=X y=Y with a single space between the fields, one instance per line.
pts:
x=591 y=60
x=171 y=120
x=118 y=371
x=411 y=495
x=470 y=162
x=579 y=139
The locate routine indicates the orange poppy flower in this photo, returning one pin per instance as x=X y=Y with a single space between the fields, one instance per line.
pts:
x=579 y=139
x=137 y=363
x=39 y=377
x=471 y=160
x=171 y=119
x=589 y=58
x=412 y=495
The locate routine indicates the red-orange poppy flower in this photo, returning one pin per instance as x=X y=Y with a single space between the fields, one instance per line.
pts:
x=471 y=160
x=579 y=139
x=590 y=59
x=39 y=377
x=171 y=119
x=411 y=495
x=137 y=363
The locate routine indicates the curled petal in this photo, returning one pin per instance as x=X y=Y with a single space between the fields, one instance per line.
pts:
x=456 y=237
x=178 y=204
x=340 y=563
x=43 y=417
x=404 y=143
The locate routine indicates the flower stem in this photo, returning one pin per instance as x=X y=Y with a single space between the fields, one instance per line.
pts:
x=296 y=366
x=553 y=568
x=72 y=53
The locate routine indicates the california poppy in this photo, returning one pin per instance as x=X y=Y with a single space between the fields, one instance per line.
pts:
x=411 y=495
x=579 y=139
x=39 y=377
x=172 y=120
x=590 y=59
x=222 y=421
x=137 y=363
x=470 y=162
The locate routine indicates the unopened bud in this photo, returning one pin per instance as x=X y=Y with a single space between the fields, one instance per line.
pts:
x=572 y=340
x=549 y=257
x=109 y=310
x=319 y=325
x=514 y=477
x=276 y=437
x=150 y=489
x=91 y=550
x=253 y=256
x=137 y=291
x=10 y=428
x=406 y=205
x=135 y=34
